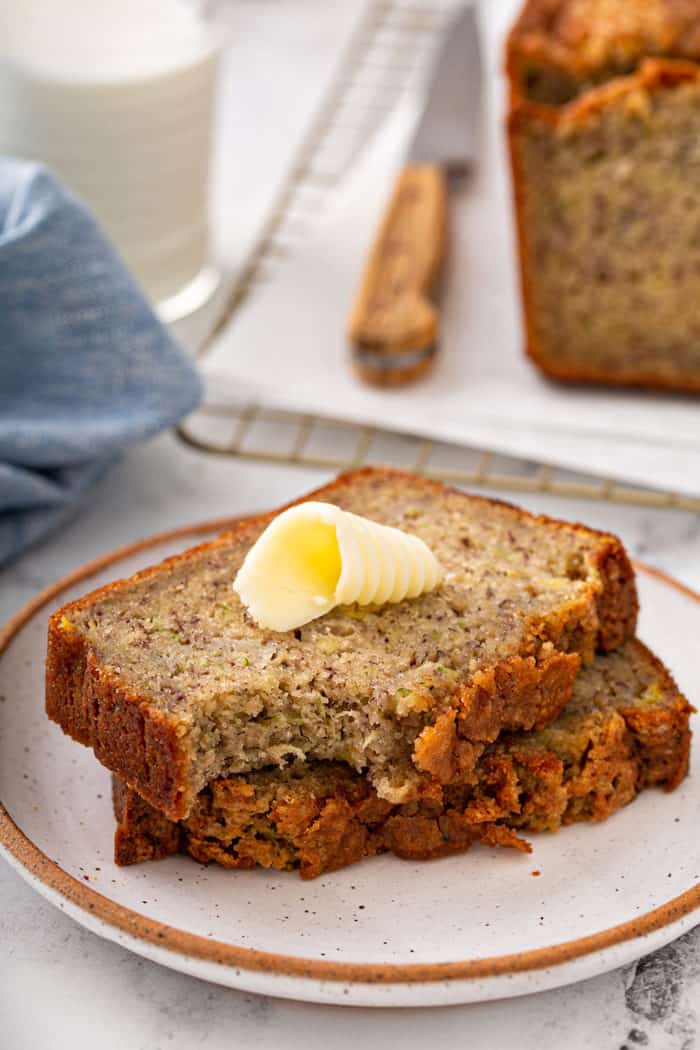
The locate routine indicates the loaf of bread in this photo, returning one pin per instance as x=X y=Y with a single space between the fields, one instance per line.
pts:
x=170 y=682
x=625 y=729
x=605 y=166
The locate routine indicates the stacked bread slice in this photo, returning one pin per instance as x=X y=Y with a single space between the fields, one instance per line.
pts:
x=511 y=697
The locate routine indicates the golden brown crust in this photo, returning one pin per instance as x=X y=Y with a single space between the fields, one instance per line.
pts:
x=130 y=737
x=329 y=816
x=521 y=693
x=142 y=833
x=523 y=115
x=640 y=380
x=560 y=47
x=663 y=742
x=331 y=830
x=93 y=707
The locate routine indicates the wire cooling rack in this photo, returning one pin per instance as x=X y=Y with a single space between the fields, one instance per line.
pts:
x=391 y=50
x=270 y=435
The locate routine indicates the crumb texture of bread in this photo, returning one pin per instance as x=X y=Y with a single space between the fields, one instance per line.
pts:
x=558 y=49
x=173 y=686
x=603 y=126
x=603 y=129
x=609 y=205
x=625 y=729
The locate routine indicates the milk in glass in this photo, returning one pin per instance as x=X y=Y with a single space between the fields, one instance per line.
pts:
x=116 y=97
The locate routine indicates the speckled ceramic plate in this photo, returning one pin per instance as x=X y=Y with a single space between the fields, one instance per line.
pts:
x=382 y=933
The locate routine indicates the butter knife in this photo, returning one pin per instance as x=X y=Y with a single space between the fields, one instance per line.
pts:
x=394 y=323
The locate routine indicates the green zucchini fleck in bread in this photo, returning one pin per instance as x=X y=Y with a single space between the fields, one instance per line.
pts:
x=625 y=729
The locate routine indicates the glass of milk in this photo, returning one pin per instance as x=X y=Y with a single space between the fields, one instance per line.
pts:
x=117 y=98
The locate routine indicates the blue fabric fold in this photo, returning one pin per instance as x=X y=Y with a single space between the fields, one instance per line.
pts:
x=86 y=367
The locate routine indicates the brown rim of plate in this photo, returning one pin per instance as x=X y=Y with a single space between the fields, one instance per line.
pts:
x=40 y=867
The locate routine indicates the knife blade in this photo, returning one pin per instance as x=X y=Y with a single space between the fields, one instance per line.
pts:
x=394 y=323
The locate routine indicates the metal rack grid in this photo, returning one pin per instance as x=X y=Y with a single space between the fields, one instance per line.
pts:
x=391 y=51
x=270 y=435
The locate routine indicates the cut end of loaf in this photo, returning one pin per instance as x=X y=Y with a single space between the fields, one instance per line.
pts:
x=603 y=146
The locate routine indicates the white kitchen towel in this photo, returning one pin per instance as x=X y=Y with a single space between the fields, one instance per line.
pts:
x=286 y=346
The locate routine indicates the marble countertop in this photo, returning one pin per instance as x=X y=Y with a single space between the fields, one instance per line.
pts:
x=61 y=986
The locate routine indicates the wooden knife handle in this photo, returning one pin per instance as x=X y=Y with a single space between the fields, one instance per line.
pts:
x=393 y=326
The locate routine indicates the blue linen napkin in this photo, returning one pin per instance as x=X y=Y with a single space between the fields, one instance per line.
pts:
x=86 y=367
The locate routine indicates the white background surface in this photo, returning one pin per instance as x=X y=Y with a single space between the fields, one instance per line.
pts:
x=65 y=989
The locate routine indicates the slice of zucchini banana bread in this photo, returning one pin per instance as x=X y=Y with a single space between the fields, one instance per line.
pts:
x=173 y=685
x=625 y=729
